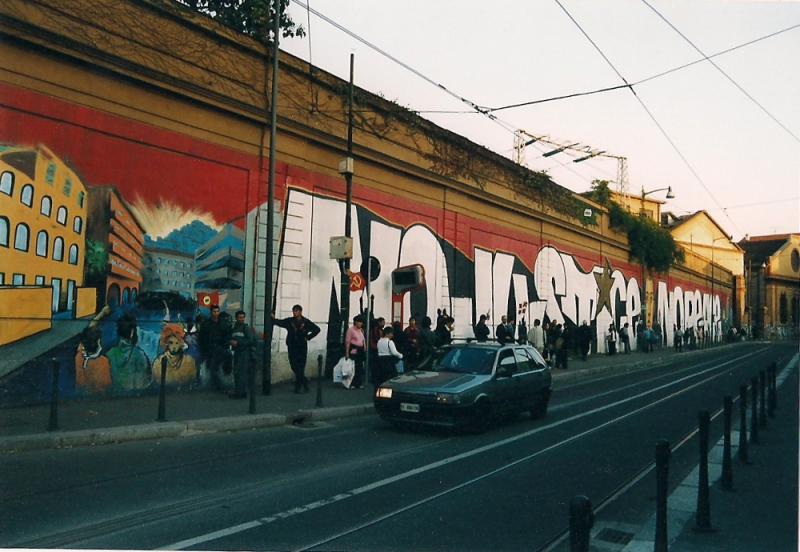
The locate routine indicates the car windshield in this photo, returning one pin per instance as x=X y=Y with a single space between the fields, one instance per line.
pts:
x=465 y=360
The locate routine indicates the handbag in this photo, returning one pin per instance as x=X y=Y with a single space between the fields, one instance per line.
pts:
x=400 y=366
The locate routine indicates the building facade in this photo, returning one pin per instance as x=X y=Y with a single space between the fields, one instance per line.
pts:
x=772 y=270
x=168 y=270
x=43 y=210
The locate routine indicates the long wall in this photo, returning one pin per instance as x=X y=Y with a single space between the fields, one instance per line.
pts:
x=130 y=97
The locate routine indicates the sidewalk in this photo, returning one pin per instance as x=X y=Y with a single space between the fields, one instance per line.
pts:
x=103 y=421
x=761 y=513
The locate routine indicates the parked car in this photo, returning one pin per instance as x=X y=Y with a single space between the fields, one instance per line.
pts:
x=467 y=386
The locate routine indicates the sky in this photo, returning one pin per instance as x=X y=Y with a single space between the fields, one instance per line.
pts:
x=693 y=129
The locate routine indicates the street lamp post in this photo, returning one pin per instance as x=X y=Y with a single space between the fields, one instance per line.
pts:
x=713 y=327
x=669 y=195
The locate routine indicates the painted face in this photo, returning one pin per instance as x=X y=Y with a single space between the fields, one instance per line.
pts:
x=174 y=345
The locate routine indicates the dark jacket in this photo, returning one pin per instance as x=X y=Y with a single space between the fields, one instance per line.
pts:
x=245 y=339
x=299 y=332
x=503 y=334
x=481 y=331
x=213 y=336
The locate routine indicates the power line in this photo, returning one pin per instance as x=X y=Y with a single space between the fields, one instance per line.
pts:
x=644 y=80
x=475 y=108
x=718 y=68
x=743 y=205
x=649 y=113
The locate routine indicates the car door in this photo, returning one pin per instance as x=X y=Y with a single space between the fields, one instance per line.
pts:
x=540 y=377
x=528 y=379
x=505 y=384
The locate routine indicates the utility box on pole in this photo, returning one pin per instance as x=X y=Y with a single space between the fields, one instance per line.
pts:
x=341 y=248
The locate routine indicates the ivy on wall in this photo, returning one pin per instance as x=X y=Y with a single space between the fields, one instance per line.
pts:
x=650 y=244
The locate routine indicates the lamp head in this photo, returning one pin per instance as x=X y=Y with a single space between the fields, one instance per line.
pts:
x=670 y=195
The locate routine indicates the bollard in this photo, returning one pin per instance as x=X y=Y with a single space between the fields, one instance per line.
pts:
x=727 y=468
x=703 y=516
x=319 y=381
x=754 y=411
x=581 y=520
x=53 y=423
x=771 y=391
x=774 y=385
x=251 y=384
x=762 y=387
x=662 y=475
x=162 y=392
x=743 y=424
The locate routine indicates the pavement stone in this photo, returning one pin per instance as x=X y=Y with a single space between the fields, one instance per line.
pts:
x=102 y=421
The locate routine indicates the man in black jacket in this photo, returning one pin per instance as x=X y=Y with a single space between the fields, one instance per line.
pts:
x=243 y=342
x=481 y=330
x=300 y=330
x=214 y=341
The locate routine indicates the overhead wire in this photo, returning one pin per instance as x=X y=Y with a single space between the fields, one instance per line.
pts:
x=509 y=127
x=644 y=80
x=649 y=113
x=722 y=71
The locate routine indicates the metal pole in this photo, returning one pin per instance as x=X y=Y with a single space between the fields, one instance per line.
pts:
x=266 y=376
x=712 y=294
x=743 y=424
x=754 y=411
x=53 y=423
x=319 y=381
x=727 y=468
x=251 y=384
x=369 y=319
x=662 y=475
x=773 y=390
x=348 y=176
x=581 y=520
x=762 y=386
x=703 y=515
x=162 y=392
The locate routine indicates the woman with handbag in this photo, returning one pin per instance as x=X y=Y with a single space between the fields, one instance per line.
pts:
x=355 y=350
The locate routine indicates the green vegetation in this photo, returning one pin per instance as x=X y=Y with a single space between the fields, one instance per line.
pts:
x=251 y=17
x=650 y=244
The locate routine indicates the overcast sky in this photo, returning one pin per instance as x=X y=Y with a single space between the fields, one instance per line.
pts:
x=506 y=52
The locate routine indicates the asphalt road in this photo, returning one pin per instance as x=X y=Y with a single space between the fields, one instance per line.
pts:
x=359 y=484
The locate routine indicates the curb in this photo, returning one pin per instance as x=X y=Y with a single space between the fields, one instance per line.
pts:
x=105 y=436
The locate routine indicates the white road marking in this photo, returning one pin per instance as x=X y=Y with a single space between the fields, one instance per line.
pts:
x=194 y=541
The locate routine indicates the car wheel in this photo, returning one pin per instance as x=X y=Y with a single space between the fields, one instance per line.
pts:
x=481 y=417
x=539 y=409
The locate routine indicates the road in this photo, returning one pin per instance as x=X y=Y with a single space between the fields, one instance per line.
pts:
x=359 y=484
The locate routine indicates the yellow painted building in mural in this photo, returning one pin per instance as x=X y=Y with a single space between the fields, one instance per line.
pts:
x=43 y=205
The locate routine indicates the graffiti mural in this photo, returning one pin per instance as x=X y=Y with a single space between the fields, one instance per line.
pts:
x=114 y=248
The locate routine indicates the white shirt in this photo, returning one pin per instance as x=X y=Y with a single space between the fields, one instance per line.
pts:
x=536 y=337
x=386 y=348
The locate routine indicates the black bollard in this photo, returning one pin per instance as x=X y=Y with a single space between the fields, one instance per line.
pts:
x=703 y=516
x=162 y=392
x=319 y=381
x=251 y=384
x=581 y=520
x=662 y=475
x=754 y=411
x=762 y=387
x=53 y=423
x=743 y=457
x=727 y=468
x=774 y=385
x=771 y=391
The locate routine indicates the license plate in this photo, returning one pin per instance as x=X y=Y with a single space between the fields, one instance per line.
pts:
x=409 y=407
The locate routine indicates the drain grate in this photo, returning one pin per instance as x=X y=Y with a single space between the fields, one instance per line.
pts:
x=614 y=536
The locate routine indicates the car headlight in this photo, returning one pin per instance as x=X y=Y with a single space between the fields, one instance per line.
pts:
x=384 y=393
x=447 y=398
